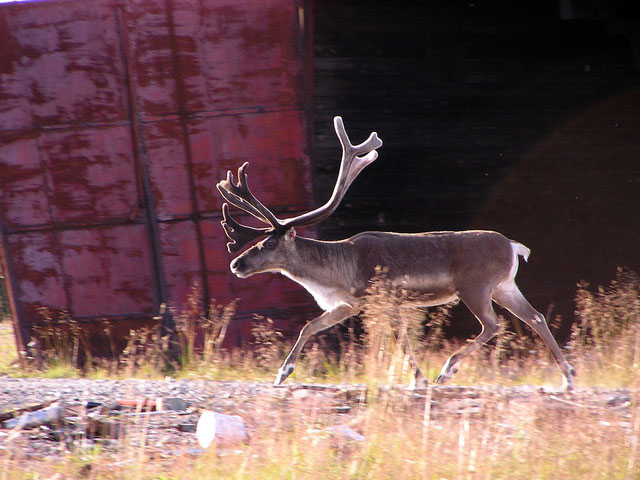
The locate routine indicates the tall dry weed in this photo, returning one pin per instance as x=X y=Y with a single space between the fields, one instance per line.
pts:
x=605 y=339
x=266 y=344
x=604 y=344
x=58 y=340
x=200 y=334
x=392 y=324
x=146 y=350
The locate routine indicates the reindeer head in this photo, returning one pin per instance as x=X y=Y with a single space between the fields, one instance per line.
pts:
x=269 y=254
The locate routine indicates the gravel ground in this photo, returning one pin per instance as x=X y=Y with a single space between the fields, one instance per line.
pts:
x=260 y=405
x=169 y=433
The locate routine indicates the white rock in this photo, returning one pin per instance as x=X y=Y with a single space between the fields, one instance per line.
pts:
x=224 y=429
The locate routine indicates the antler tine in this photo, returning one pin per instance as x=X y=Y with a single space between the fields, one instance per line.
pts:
x=351 y=161
x=239 y=234
x=367 y=146
x=351 y=165
x=240 y=196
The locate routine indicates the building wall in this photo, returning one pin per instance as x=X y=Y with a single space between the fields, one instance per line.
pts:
x=117 y=121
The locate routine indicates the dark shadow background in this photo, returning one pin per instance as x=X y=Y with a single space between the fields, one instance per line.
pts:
x=521 y=117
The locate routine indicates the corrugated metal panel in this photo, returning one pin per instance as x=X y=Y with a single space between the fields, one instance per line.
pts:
x=118 y=120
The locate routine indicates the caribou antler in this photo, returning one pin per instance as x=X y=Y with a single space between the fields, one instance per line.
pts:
x=240 y=196
x=354 y=159
x=350 y=166
x=239 y=234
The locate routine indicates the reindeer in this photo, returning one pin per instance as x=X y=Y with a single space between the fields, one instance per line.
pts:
x=475 y=267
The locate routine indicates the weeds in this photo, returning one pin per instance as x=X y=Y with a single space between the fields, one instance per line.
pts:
x=391 y=325
x=502 y=438
x=60 y=345
x=200 y=335
x=57 y=344
x=604 y=345
x=8 y=358
x=145 y=355
x=267 y=343
x=605 y=340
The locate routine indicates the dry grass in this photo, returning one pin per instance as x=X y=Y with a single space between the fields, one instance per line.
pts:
x=502 y=439
x=498 y=443
x=8 y=354
x=605 y=341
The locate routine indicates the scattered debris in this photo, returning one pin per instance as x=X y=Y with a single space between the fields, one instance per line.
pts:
x=165 y=404
x=160 y=404
x=30 y=408
x=96 y=420
x=53 y=414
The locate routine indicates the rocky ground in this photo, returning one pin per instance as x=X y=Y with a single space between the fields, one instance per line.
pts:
x=110 y=412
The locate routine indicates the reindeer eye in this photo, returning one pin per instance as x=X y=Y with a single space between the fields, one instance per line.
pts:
x=270 y=243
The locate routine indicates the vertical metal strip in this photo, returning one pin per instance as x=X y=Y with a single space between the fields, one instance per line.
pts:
x=307 y=83
x=55 y=232
x=145 y=194
x=182 y=114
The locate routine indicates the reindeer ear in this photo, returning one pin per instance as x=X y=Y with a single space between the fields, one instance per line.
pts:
x=290 y=235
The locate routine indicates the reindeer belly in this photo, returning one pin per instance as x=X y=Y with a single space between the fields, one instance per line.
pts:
x=427 y=290
x=432 y=299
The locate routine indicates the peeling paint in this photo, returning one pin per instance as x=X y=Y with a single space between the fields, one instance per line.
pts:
x=117 y=121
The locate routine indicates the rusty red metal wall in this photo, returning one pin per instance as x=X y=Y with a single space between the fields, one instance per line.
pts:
x=117 y=119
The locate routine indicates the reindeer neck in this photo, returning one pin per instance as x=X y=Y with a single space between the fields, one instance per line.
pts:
x=322 y=262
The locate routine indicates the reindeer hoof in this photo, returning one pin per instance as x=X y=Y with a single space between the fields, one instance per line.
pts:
x=283 y=373
x=420 y=384
x=567 y=381
x=418 y=381
x=567 y=378
x=446 y=374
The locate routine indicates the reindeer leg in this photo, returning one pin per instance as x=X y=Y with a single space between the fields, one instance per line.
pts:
x=419 y=380
x=510 y=297
x=480 y=306
x=324 y=321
